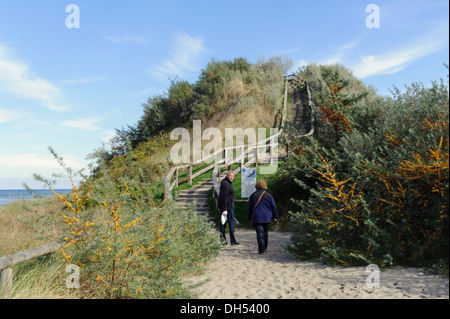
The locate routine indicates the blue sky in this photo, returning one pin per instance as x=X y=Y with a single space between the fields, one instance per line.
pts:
x=70 y=88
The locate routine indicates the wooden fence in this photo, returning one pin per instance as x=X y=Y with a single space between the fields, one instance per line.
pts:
x=252 y=151
x=7 y=262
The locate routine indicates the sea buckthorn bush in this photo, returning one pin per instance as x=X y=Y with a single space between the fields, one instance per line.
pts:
x=125 y=243
x=376 y=174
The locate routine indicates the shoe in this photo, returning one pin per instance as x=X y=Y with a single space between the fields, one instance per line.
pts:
x=236 y=243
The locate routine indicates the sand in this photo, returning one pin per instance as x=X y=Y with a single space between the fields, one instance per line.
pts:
x=239 y=272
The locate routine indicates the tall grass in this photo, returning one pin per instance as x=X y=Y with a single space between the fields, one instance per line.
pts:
x=22 y=224
x=26 y=224
x=125 y=243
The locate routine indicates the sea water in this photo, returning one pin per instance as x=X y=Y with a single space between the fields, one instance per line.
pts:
x=7 y=196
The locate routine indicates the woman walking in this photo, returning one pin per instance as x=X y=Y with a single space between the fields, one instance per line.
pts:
x=262 y=211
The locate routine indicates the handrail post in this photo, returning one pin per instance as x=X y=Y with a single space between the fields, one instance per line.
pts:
x=287 y=149
x=242 y=155
x=271 y=151
x=226 y=155
x=7 y=262
x=190 y=174
x=176 y=177
x=6 y=280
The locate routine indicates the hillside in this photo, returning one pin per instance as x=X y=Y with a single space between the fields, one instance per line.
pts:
x=227 y=94
x=116 y=227
x=373 y=169
x=370 y=186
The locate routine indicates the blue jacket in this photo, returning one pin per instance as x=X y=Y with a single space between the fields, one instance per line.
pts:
x=265 y=212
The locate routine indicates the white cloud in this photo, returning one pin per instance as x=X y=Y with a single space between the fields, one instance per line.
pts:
x=340 y=54
x=337 y=56
x=349 y=46
x=126 y=39
x=87 y=124
x=27 y=120
x=84 y=80
x=17 y=183
x=288 y=51
x=9 y=116
x=409 y=13
x=394 y=61
x=32 y=160
x=23 y=166
x=297 y=65
x=108 y=135
x=149 y=91
x=185 y=57
x=16 y=78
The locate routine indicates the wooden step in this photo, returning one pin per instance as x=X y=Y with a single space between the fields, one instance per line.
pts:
x=192 y=197
x=191 y=204
x=196 y=192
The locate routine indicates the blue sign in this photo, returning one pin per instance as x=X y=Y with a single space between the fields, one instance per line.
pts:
x=248 y=182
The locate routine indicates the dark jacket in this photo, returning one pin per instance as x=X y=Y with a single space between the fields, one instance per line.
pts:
x=265 y=212
x=226 y=196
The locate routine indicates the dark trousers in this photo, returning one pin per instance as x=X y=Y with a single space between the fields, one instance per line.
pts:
x=231 y=225
x=262 y=236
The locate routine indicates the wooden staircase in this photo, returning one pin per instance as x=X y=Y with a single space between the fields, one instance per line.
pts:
x=301 y=116
x=299 y=109
x=196 y=198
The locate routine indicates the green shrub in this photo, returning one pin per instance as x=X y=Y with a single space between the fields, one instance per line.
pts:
x=376 y=172
x=126 y=243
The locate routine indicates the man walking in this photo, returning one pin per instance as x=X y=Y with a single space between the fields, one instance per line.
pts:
x=226 y=207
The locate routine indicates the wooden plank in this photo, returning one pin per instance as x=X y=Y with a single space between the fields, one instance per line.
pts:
x=184 y=179
x=6 y=280
x=190 y=174
x=174 y=184
x=23 y=256
x=203 y=170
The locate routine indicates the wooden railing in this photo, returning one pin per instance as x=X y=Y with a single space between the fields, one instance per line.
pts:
x=7 y=262
x=252 y=153
x=241 y=160
x=170 y=185
x=280 y=134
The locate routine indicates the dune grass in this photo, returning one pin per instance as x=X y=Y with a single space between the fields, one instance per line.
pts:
x=22 y=228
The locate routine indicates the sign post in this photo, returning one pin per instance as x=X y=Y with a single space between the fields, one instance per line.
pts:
x=248 y=182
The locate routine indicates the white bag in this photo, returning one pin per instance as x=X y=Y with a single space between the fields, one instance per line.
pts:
x=224 y=217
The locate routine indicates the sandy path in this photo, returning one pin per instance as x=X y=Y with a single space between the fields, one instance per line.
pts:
x=239 y=272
